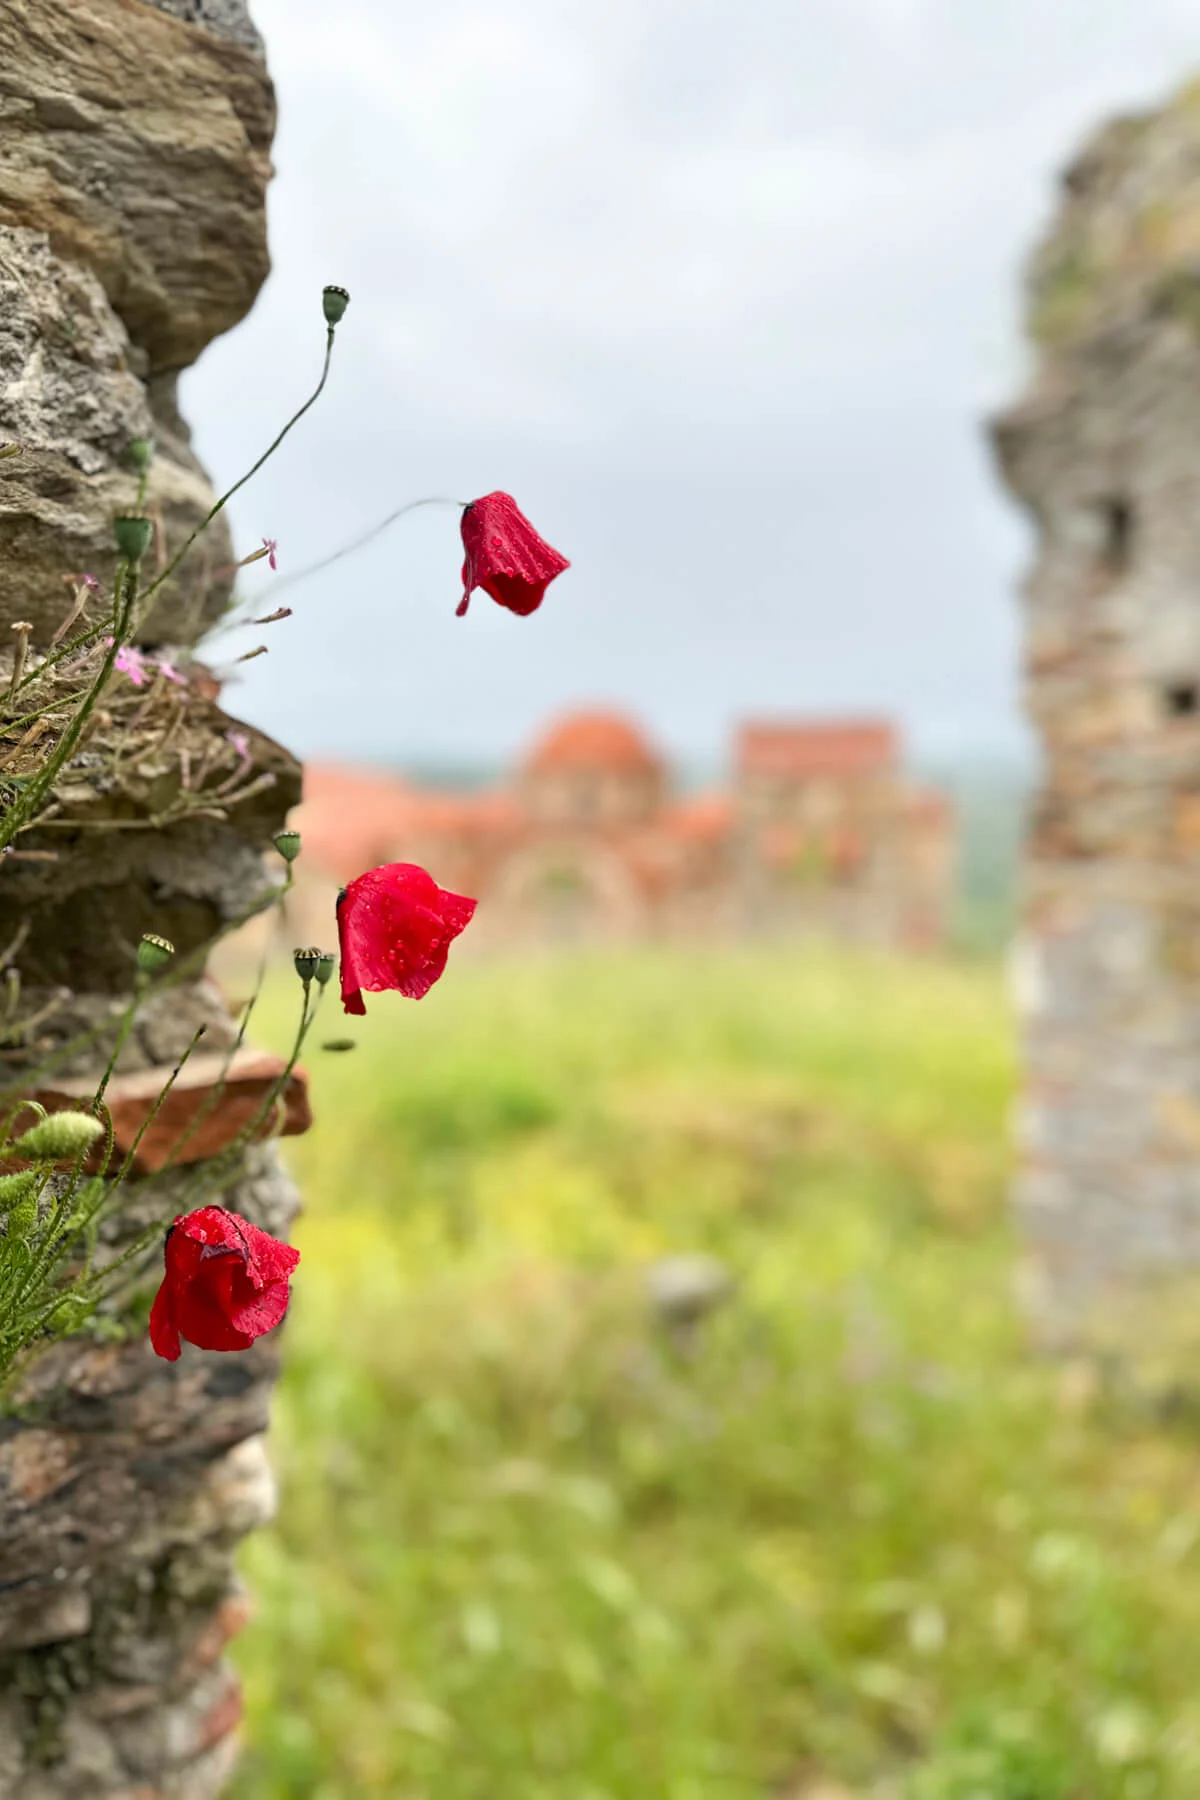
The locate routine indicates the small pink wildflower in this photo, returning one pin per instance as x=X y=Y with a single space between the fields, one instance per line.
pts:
x=129 y=662
x=171 y=673
x=267 y=549
x=241 y=744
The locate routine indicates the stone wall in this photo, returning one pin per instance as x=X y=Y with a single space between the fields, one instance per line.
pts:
x=1103 y=449
x=134 y=157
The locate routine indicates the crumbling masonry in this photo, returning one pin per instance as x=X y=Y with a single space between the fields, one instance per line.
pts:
x=134 y=158
x=1103 y=449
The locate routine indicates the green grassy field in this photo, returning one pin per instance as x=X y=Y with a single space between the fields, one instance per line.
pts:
x=530 y=1548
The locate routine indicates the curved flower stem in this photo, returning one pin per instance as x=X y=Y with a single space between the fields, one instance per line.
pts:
x=218 y=1167
x=367 y=537
x=180 y=969
x=125 y=602
x=270 y=1099
x=227 y=496
x=32 y=796
x=214 y=1097
x=31 y=718
x=61 y=652
x=146 y=1123
x=68 y=1225
x=123 y=1030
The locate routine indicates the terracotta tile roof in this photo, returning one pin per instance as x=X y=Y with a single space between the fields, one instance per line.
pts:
x=593 y=740
x=352 y=819
x=852 y=747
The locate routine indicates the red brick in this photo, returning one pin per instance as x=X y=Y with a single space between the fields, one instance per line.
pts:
x=131 y=1099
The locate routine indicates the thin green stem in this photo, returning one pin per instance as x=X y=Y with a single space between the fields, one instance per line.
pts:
x=69 y=1224
x=181 y=968
x=359 y=543
x=63 y=651
x=32 y=796
x=30 y=719
x=146 y=1123
x=307 y=1018
x=218 y=1167
x=213 y=1099
x=227 y=496
x=122 y=1037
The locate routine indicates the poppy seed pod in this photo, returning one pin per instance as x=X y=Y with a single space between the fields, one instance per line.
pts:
x=326 y=966
x=154 y=953
x=288 y=844
x=307 y=963
x=58 y=1136
x=133 y=536
x=141 y=453
x=334 y=301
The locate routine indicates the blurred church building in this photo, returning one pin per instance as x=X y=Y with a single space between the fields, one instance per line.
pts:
x=819 y=830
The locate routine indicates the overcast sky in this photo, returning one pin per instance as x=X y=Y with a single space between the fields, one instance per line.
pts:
x=719 y=291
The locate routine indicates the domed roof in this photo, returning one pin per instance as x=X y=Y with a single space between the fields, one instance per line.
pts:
x=594 y=740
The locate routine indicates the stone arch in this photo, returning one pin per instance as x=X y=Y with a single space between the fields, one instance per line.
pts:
x=570 y=893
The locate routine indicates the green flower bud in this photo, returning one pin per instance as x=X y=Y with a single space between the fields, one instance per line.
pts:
x=23 y=1217
x=133 y=536
x=307 y=963
x=15 y=1188
x=288 y=844
x=141 y=453
x=334 y=300
x=326 y=966
x=153 y=953
x=57 y=1137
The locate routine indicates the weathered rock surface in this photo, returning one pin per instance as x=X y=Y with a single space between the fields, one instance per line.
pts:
x=1104 y=452
x=141 y=146
x=70 y=398
x=134 y=157
x=161 y=828
x=228 y=18
x=125 y=1484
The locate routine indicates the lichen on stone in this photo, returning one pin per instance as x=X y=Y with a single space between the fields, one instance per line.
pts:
x=226 y=18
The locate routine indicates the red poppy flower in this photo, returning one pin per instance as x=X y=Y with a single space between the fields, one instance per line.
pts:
x=226 y=1283
x=395 y=928
x=505 y=556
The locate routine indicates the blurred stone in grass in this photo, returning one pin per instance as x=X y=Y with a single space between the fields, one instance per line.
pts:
x=683 y=1290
